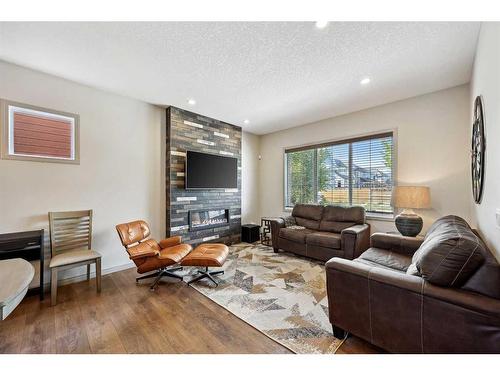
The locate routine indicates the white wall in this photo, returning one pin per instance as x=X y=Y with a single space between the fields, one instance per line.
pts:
x=119 y=175
x=486 y=82
x=432 y=149
x=250 y=149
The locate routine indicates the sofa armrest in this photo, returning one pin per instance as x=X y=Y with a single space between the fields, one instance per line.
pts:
x=396 y=243
x=355 y=240
x=171 y=241
x=382 y=275
x=363 y=300
x=276 y=225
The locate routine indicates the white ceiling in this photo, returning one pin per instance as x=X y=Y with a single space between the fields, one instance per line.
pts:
x=276 y=74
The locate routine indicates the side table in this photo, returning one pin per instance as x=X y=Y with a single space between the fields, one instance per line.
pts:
x=25 y=245
x=265 y=234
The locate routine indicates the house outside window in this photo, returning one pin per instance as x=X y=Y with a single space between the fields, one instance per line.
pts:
x=352 y=172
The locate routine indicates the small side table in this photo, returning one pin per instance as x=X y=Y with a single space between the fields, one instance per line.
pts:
x=250 y=233
x=265 y=234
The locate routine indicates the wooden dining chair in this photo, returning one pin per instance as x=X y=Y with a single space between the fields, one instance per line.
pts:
x=71 y=246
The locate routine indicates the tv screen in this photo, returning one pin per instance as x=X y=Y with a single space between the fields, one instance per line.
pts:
x=205 y=171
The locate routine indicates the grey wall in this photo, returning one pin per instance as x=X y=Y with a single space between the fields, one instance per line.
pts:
x=189 y=131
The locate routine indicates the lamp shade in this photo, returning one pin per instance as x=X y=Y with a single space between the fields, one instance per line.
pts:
x=411 y=197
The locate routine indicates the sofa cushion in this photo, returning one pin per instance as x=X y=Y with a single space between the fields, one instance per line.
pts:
x=450 y=253
x=295 y=235
x=386 y=258
x=324 y=239
x=308 y=215
x=337 y=218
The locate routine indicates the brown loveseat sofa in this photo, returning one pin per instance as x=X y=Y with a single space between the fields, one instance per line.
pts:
x=322 y=232
x=440 y=294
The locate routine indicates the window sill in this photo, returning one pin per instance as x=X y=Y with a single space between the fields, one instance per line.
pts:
x=380 y=217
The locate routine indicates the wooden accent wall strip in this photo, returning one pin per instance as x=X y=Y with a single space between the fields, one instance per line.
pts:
x=34 y=135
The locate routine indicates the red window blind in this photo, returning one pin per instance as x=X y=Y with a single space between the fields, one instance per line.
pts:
x=38 y=135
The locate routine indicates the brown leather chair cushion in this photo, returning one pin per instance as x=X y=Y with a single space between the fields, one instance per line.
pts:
x=386 y=258
x=336 y=218
x=133 y=232
x=450 y=253
x=295 y=235
x=175 y=253
x=147 y=248
x=207 y=255
x=308 y=215
x=324 y=239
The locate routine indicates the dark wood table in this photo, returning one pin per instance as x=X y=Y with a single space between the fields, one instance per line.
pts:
x=265 y=234
x=26 y=245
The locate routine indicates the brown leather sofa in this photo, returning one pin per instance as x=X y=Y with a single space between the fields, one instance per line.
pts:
x=440 y=294
x=322 y=232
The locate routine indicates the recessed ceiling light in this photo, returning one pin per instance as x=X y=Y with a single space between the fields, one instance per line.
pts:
x=191 y=101
x=365 y=81
x=321 y=24
x=246 y=122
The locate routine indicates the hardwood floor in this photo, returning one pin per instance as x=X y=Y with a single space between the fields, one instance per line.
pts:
x=126 y=318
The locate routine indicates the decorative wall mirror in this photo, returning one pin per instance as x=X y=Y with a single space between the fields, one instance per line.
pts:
x=478 y=150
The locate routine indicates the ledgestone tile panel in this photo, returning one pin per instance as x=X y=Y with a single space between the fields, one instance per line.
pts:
x=218 y=138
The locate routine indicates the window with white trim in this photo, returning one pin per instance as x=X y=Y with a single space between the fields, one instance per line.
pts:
x=33 y=133
x=353 y=172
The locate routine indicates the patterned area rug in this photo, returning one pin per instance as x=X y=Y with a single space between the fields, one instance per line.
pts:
x=281 y=295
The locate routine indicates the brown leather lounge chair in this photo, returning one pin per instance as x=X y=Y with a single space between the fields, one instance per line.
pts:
x=149 y=255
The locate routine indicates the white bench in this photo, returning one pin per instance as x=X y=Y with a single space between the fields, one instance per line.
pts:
x=15 y=277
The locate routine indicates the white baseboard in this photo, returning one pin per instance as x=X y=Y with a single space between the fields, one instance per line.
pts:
x=105 y=271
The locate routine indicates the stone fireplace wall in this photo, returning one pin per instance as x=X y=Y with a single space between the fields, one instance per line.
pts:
x=190 y=131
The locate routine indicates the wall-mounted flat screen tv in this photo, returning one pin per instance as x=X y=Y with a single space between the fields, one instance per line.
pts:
x=205 y=171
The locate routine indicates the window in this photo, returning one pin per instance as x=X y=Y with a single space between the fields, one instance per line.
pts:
x=32 y=133
x=355 y=172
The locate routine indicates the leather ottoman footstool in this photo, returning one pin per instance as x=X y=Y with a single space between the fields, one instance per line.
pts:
x=206 y=255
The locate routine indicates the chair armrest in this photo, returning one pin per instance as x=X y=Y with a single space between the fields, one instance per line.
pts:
x=276 y=225
x=355 y=240
x=142 y=250
x=171 y=241
x=395 y=242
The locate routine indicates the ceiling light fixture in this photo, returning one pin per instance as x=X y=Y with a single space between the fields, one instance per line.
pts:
x=321 y=24
x=246 y=122
x=191 y=101
x=365 y=81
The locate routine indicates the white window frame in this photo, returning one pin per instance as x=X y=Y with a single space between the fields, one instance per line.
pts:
x=7 y=111
x=317 y=144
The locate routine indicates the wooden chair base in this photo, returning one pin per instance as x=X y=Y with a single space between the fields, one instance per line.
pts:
x=54 y=273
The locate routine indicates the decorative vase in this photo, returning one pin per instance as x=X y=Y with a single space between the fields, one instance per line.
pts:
x=409 y=224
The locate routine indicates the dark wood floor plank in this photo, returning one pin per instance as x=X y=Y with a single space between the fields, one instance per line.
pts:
x=11 y=334
x=129 y=318
x=71 y=336
x=39 y=331
x=100 y=330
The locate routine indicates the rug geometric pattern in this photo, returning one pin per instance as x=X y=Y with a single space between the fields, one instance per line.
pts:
x=281 y=295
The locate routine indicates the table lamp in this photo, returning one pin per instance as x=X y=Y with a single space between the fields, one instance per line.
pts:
x=408 y=198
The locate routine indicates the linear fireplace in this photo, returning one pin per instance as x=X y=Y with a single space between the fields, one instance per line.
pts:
x=209 y=218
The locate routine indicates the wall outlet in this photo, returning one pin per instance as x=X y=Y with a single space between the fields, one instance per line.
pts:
x=497 y=216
